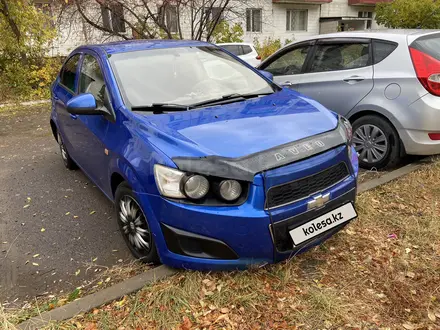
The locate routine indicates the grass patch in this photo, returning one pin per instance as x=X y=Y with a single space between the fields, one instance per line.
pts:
x=381 y=272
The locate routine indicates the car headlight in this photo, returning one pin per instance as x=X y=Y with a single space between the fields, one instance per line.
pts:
x=230 y=190
x=195 y=186
x=168 y=181
x=347 y=129
x=173 y=183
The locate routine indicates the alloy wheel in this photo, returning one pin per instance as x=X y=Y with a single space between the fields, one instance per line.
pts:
x=134 y=225
x=370 y=143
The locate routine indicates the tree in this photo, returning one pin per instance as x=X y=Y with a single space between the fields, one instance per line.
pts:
x=26 y=33
x=224 y=33
x=409 y=14
x=152 y=19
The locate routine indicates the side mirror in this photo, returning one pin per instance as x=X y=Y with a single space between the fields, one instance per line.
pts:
x=267 y=74
x=83 y=104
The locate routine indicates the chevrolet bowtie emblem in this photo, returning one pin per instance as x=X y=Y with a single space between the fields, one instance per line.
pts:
x=318 y=201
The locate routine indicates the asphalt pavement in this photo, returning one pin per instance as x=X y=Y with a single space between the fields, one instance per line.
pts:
x=57 y=230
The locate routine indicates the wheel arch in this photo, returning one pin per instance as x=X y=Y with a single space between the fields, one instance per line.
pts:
x=54 y=129
x=115 y=180
x=120 y=171
x=362 y=113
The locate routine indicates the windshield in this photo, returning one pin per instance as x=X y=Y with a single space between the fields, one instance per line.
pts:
x=185 y=76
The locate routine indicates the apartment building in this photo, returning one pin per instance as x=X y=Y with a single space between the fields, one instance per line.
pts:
x=297 y=19
x=260 y=19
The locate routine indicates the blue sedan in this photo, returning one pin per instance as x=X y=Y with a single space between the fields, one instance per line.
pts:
x=209 y=163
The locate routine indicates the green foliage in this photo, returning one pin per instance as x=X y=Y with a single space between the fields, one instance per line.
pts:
x=268 y=47
x=26 y=33
x=224 y=33
x=288 y=41
x=409 y=14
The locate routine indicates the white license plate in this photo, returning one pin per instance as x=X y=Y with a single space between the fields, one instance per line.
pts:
x=323 y=223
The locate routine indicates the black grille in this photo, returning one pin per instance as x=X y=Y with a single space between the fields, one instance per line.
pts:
x=280 y=230
x=296 y=190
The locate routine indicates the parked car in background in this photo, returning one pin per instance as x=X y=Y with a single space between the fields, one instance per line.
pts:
x=386 y=82
x=209 y=163
x=246 y=52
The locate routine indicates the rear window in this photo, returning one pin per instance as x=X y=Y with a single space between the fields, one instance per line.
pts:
x=429 y=45
x=382 y=49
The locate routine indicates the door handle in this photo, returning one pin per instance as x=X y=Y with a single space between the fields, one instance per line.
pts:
x=74 y=117
x=286 y=84
x=354 y=79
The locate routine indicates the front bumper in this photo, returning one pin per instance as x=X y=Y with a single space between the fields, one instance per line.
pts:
x=235 y=237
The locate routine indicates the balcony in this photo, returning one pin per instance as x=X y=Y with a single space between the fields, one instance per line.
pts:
x=311 y=2
x=366 y=2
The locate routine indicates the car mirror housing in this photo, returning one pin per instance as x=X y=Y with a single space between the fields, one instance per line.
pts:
x=267 y=74
x=84 y=104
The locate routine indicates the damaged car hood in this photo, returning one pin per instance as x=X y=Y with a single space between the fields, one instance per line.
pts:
x=238 y=129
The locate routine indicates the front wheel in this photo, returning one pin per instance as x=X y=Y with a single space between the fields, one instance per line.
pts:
x=134 y=226
x=376 y=142
x=67 y=160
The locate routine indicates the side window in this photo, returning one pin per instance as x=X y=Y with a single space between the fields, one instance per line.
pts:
x=68 y=72
x=234 y=49
x=289 y=63
x=246 y=49
x=336 y=57
x=92 y=79
x=382 y=49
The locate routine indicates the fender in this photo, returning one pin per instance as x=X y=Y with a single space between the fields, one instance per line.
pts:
x=375 y=109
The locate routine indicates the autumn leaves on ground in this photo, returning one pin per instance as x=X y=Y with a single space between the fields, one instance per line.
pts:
x=382 y=271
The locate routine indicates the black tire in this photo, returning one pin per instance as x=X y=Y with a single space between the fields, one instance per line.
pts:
x=389 y=158
x=67 y=160
x=138 y=249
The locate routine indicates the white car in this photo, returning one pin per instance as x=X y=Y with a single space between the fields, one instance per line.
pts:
x=244 y=51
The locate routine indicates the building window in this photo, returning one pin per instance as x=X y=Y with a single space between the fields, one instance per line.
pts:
x=113 y=17
x=296 y=20
x=168 y=16
x=171 y=18
x=214 y=13
x=254 y=20
x=365 y=14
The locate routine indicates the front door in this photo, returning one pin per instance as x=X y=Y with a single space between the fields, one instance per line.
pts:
x=91 y=135
x=63 y=91
x=339 y=74
x=288 y=65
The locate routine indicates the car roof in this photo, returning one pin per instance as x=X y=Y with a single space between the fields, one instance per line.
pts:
x=142 y=44
x=387 y=34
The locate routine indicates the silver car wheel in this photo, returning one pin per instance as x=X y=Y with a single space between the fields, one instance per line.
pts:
x=134 y=224
x=370 y=143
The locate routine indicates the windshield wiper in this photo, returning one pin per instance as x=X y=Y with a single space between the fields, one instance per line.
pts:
x=159 y=108
x=229 y=98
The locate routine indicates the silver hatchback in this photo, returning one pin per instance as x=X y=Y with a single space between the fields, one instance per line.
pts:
x=386 y=82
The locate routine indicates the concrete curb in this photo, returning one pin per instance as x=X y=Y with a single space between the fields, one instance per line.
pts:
x=138 y=282
x=99 y=298
x=374 y=183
